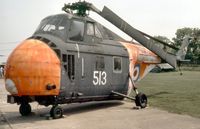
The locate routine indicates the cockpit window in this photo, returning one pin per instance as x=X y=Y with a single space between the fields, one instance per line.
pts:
x=90 y=29
x=97 y=32
x=76 y=31
x=55 y=25
x=49 y=27
x=93 y=30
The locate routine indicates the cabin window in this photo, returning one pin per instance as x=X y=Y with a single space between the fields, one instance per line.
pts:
x=76 y=31
x=117 y=64
x=100 y=65
x=97 y=32
x=71 y=67
x=90 y=29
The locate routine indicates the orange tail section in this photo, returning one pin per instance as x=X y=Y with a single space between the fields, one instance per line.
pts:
x=141 y=60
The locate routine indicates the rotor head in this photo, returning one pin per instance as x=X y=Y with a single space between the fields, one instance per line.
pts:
x=81 y=8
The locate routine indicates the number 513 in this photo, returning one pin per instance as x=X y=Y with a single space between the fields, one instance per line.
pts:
x=99 y=77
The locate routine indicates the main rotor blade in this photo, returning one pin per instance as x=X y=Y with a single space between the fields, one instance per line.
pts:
x=160 y=41
x=138 y=36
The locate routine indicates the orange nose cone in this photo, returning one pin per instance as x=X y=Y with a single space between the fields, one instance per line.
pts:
x=31 y=68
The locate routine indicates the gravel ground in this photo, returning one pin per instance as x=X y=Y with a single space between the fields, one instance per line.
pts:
x=93 y=115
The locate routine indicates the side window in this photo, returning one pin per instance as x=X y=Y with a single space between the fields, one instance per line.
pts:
x=90 y=29
x=97 y=32
x=117 y=64
x=76 y=31
x=100 y=65
x=71 y=67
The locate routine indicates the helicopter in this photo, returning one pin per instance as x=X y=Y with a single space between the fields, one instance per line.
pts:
x=72 y=58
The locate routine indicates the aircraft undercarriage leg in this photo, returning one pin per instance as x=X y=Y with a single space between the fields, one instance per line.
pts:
x=140 y=98
x=56 y=112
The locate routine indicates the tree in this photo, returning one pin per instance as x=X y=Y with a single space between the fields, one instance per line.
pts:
x=164 y=39
x=193 y=52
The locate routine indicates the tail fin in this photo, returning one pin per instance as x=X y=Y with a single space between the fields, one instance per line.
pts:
x=183 y=49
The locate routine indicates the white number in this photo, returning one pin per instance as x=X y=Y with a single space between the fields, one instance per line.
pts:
x=96 y=78
x=104 y=76
x=99 y=78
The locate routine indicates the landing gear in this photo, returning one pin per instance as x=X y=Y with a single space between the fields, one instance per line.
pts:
x=56 y=112
x=141 y=100
x=25 y=109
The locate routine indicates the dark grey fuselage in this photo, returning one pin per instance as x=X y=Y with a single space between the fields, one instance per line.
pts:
x=91 y=66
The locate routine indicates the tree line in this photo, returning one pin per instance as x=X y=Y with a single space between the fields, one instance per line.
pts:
x=193 y=51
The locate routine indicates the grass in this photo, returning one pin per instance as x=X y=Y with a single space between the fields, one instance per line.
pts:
x=194 y=68
x=172 y=92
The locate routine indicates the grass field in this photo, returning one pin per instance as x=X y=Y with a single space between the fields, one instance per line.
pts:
x=172 y=92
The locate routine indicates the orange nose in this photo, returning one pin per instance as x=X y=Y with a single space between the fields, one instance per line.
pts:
x=32 y=68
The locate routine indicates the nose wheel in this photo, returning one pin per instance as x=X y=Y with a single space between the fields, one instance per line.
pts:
x=56 y=112
x=25 y=109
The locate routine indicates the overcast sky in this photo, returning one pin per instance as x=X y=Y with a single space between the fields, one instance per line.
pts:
x=20 y=18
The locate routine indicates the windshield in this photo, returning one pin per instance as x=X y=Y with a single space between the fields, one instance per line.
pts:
x=55 y=25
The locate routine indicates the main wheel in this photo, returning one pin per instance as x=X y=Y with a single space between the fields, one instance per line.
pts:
x=25 y=109
x=56 y=112
x=141 y=100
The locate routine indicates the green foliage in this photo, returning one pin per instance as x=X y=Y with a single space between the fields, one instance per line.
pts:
x=166 y=40
x=193 y=52
x=162 y=38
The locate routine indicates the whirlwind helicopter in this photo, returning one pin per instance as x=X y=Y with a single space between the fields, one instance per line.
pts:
x=72 y=58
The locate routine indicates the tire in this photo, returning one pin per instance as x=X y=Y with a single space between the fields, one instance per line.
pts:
x=56 y=112
x=141 y=100
x=25 y=109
